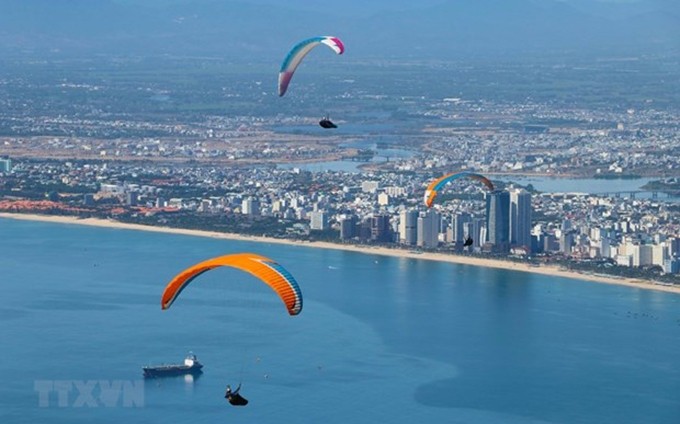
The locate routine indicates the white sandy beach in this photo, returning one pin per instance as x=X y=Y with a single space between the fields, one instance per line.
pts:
x=458 y=259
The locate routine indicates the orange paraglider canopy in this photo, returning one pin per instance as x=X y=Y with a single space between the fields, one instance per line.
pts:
x=270 y=272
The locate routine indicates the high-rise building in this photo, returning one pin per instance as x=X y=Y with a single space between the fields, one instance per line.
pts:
x=642 y=255
x=520 y=218
x=498 y=220
x=605 y=248
x=596 y=234
x=131 y=198
x=408 y=227
x=566 y=242
x=674 y=247
x=369 y=186
x=278 y=205
x=383 y=199
x=5 y=165
x=364 y=229
x=459 y=233
x=428 y=229
x=395 y=191
x=318 y=220
x=659 y=254
x=672 y=266
x=348 y=227
x=478 y=231
x=380 y=228
x=550 y=243
x=250 y=206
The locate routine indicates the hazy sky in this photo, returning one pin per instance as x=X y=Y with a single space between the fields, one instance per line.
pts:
x=427 y=28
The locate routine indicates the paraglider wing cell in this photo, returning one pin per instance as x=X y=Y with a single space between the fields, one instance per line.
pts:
x=268 y=271
x=438 y=184
x=298 y=52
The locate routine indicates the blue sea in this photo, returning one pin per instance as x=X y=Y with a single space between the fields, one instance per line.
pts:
x=380 y=339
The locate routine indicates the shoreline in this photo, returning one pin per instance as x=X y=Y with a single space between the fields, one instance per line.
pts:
x=549 y=270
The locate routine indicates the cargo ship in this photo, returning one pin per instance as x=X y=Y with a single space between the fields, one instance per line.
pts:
x=190 y=366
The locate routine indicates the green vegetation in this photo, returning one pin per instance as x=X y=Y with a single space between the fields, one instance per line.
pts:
x=613 y=176
x=222 y=223
x=665 y=186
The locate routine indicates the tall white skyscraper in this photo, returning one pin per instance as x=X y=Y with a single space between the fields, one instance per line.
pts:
x=520 y=218
x=250 y=206
x=428 y=228
x=318 y=220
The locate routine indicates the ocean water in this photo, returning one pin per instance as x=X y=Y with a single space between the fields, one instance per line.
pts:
x=380 y=339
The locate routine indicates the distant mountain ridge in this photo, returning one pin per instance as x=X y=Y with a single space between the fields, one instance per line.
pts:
x=448 y=30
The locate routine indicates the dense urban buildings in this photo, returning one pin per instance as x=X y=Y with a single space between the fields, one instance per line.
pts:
x=221 y=154
x=623 y=231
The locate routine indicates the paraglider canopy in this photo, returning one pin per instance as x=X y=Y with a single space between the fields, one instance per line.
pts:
x=298 y=52
x=438 y=184
x=265 y=269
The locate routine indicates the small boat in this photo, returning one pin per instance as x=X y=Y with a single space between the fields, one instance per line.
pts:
x=190 y=366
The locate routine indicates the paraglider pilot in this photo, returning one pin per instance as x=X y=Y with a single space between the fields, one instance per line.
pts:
x=234 y=397
x=325 y=122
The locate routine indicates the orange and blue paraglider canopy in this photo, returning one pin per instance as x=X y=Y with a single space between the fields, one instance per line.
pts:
x=438 y=184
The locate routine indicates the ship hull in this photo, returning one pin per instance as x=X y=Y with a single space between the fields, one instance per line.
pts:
x=171 y=370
